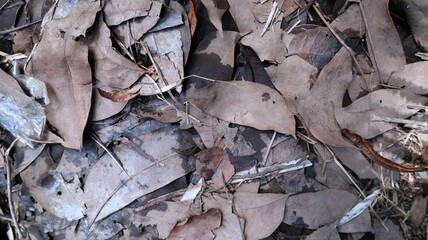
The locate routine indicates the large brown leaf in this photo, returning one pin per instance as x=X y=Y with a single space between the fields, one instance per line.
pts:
x=317 y=109
x=61 y=61
x=386 y=51
x=246 y=103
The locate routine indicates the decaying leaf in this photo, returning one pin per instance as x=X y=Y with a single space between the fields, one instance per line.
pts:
x=61 y=61
x=116 y=11
x=412 y=77
x=246 y=103
x=317 y=45
x=381 y=103
x=383 y=42
x=214 y=164
x=313 y=210
x=147 y=168
x=317 y=109
x=198 y=226
x=256 y=209
x=48 y=187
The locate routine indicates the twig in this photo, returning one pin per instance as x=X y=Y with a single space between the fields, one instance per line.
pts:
x=351 y=52
x=412 y=123
x=9 y=187
x=269 y=148
x=11 y=30
x=159 y=199
x=103 y=146
x=270 y=18
x=4 y=5
x=208 y=79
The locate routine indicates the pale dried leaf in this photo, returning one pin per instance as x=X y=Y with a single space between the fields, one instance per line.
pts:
x=117 y=11
x=256 y=209
x=198 y=226
x=246 y=103
x=386 y=51
x=412 y=77
x=142 y=177
x=416 y=16
x=317 y=109
x=49 y=189
x=316 y=209
x=382 y=103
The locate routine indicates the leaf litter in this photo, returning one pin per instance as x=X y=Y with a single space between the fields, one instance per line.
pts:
x=213 y=119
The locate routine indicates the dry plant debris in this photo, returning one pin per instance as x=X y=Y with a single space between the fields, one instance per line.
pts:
x=225 y=119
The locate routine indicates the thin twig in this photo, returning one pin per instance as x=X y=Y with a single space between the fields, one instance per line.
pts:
x=351 y=52
x=416 y=124
x=103 y=146
x=9 y=187
x=11 y=30
x=4 y=5
x=269 y=148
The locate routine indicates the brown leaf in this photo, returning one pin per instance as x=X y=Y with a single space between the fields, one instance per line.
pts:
x=216 y=9
x=317 y=46
x=193 y=20
x=119 y=95
x=256 y=209
x=130 y=31
x=214 y=57
x=198 y=226
x=103 y=108
x=412 y=77
x=416 y=16
x=297 y=81
x=214 y=164
x=114 y=71
x=317 y=109
x=350 y=22
x=313 y=210
x=357 y=117
x=386 y=51
x=246 y=103
x=61 y=61
x=355 y=160
x=117 y=11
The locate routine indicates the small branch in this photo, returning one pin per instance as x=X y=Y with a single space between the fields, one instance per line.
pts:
x=410 y=123
x=351 y=52
x=11 y=30
x=9 y=187
x=269 y=148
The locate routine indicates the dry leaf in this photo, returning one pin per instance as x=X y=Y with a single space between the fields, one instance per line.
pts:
x=117 y=11
x=313 y=210
x=232 y=226
x=293 y=79
x=355 y=160
x=214 y=164
x=49 y=189
x=132 y=30
x=193 y=20
x=317 y=109
x=246 y=103
x=61 y=61
x=111 y=69
x=317 y=45
x=383 y=42
x=256 y=209
x=393 y=103
x=216 y=9
x=103 y=108
x=198 y=226
x=416 y=16
x=412 y=77
x=157 y=166
x=214 y=57
x=350 y=22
